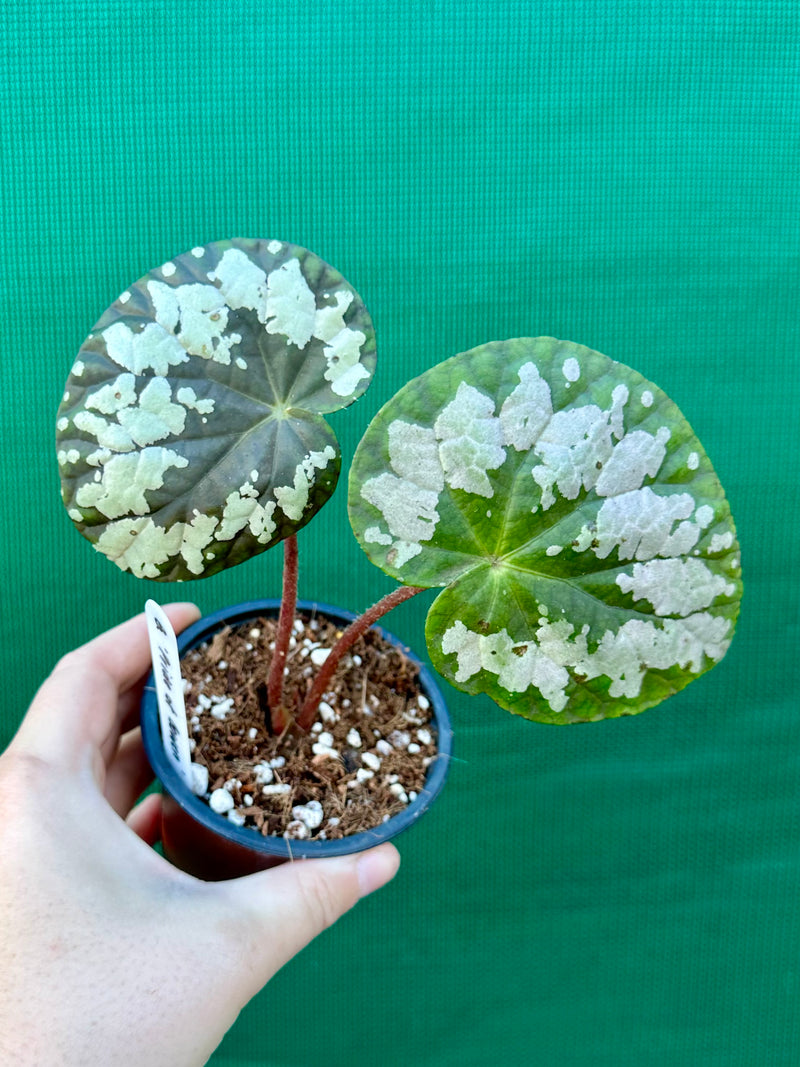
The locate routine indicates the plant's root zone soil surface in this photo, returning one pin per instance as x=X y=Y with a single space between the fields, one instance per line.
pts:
x=364 y=760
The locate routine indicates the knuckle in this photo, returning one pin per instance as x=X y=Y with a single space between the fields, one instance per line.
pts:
x=23 y=775
x=74 y=660
x=319 y=897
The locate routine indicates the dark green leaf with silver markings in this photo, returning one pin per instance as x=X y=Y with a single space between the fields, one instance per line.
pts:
x=586 y=547
x=191 y=433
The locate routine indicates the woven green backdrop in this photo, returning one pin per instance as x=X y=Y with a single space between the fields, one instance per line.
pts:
x=622 y=173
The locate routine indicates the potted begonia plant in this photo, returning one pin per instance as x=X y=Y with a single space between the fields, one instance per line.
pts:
x=584 y=549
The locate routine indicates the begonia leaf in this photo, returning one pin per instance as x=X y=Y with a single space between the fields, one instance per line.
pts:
x=191 y=434
x=586 y=548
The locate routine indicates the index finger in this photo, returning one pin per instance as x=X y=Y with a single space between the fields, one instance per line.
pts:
x=77 y=708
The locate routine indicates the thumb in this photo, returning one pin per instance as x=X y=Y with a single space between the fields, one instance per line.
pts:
x=289 y=905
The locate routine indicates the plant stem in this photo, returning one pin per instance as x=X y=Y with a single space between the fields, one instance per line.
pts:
x=356 y=628
x=286 y=615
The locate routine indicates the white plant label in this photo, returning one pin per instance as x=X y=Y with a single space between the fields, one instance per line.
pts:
x=169 y=690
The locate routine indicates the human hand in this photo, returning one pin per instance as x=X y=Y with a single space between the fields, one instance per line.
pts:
x=108 y=954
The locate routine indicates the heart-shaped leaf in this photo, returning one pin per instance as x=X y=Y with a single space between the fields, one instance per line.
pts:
x=191 y=435
x=587 y=549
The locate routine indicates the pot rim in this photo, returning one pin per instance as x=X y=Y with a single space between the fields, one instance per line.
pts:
x=196 y=808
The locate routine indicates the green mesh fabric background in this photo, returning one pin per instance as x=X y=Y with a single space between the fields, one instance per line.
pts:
x=622 y=173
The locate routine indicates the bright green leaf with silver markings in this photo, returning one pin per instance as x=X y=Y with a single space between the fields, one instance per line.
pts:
x=587 y=550
x=191 y=433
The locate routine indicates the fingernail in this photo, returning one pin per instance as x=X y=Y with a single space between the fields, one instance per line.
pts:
x=376 y=868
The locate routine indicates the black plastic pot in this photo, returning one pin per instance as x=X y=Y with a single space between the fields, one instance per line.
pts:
x=207 y=845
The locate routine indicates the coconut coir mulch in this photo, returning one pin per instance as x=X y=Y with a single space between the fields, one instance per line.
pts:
x=365 y=759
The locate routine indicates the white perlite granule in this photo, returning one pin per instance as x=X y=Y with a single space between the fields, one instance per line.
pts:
x=199 y=779
x=221 y=801
x=311 y=814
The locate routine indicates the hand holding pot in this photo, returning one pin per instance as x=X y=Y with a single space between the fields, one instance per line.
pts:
x=108 y=954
